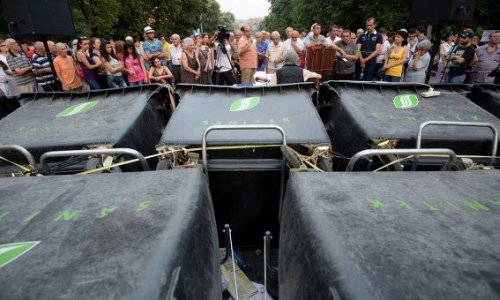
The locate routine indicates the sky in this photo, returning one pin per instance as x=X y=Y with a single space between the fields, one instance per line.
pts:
x=244 y=9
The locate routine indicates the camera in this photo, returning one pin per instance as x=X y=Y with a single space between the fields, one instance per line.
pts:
x=223 y=34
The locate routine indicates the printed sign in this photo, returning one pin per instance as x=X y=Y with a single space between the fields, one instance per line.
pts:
x=9 y=252
x=244 y=104
x=77 y=109
x=405 y=101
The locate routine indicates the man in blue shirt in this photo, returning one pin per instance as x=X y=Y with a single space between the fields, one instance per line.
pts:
x=152 y=47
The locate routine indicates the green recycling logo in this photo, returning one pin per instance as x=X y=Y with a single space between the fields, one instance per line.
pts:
x=9 y=252
x=405 y=101
x=77 y=109
x=244 y=104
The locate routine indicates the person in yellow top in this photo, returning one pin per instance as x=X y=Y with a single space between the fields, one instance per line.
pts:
x=166 y=50
x=396 y=57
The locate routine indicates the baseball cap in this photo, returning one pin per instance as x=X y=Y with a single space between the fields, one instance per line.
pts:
x=148 y=29
x=129 y=38
x=467 y=34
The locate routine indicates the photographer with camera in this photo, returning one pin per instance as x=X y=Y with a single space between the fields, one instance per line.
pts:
x=223 y=74
x=248 y=56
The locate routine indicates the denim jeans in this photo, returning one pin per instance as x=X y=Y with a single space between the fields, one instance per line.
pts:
x=389 y=78
x=368 y=73
x=116 y=81
x=93 y=84
x=138 y=83
x=455 y=79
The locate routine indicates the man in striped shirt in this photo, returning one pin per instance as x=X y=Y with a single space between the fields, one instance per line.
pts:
x=21 y=65
x=41 y=69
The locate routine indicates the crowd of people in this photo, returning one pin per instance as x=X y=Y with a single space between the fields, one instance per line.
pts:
x=234 y=57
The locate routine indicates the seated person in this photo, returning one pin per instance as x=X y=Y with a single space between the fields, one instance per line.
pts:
x=292 y=73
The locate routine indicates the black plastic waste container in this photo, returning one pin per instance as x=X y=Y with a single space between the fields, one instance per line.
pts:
x=391 y=235
x=245 y=183
x=487 y=96
x=117 y=118
x=357 y=113
x=136 y=235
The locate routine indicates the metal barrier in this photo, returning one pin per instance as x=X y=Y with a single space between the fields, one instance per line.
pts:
x=372 y=152
x=117 y=151
x=467 y=124
x=29 y=157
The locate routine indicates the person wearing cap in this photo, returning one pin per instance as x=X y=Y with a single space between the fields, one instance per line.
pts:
x=152 y=47
x=419 y=62
x=488 y=59
x=459 y=57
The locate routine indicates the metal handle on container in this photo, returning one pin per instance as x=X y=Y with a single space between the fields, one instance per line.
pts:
x=29 y=157
x=467 y=124
x=116 y=151
x=234 y=127
x=372 y=152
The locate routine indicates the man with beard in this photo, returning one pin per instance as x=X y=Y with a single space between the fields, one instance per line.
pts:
x=459 y=58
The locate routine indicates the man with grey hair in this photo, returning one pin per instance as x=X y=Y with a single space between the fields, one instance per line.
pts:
x=291 y=72
x=65 y=68
x=296 y=44
x=275 y=53
x=21 y=65
x=175 y=54
x=42 y=70
x=418 y=63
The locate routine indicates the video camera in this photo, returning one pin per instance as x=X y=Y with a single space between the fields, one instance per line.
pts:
x=222 y=34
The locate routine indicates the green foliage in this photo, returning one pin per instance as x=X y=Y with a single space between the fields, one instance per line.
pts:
x=352 y=14
x=119 y=18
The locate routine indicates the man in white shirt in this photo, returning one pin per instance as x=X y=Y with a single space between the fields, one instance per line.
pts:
x=175 y=54
x=275 y=53
x=295 y=44
x=385 y=47
x=333 y=37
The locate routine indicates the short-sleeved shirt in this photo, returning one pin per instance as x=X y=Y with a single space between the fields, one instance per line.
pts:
x=248 y=59
x=311 y=39
x=262 y=62
x=175 y=55
x=369 y=43
x=65 y=69
x=418 y=75
x=274 y=52
x=42 y=62
x=349 y=66
x=486 y=63
x=154 y=46
x=467 y=53
x=166 y=50
x=19 y=63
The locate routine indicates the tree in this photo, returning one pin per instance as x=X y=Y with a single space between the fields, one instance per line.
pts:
x=227 y=19
x=95 y=17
